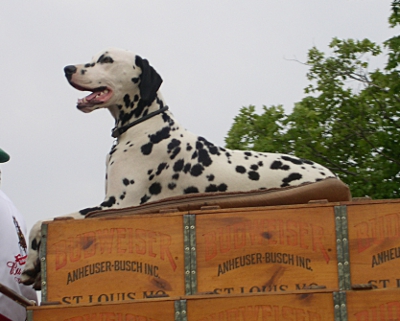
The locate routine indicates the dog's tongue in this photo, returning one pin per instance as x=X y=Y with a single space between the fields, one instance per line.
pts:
x=92 y=96
x=95 y=97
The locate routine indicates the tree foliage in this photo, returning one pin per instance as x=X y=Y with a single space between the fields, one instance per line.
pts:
x=349 y=121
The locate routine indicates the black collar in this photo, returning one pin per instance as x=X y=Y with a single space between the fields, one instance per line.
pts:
x=116 y=132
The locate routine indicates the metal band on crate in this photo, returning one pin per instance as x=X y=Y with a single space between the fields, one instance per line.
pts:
x=342 y=247
x=189 y=228
x=340 y=306
x=180 y=310
x=193 y=254
x=29 y=315
x=343 y=306
x=43 y=263
x=336 y=306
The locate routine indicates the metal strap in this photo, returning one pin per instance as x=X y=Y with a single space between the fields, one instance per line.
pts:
x=189 y=222
x=43 y=262
x=180 y=310
x=342 y=246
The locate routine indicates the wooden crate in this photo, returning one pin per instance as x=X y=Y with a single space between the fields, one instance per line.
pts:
x=113 y=259
x=379 y=305
x=260 y=307
x=310 y=306
x=271 y=249
x=374 y=243
x=142 y=310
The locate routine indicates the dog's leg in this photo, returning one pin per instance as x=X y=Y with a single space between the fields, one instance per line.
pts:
x=31 y=273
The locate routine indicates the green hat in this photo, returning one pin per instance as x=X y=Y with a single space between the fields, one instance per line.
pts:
x=4 y=157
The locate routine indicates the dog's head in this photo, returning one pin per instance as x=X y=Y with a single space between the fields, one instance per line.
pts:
x=111 y=75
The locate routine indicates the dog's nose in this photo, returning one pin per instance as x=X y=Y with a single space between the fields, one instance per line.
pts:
x=69 y=71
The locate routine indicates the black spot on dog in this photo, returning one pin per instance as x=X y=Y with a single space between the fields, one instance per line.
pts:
x=279 y=165
x=135 y=80
x=155 y=189
x=89 y=210
x=214 y=150
x=144 y=199
x=190 y=190
x=175 y=176
x=175 y=152
x=127 y=100
x=195 y=154
x=292 y=160
x=162 y=134
x=204 y=157
x=248 y=154
x=147 y=148
x=214 y=188
x=113 y=150
x=254 y=167
x=125 y=181
x=240 y=169
x=211 y=188
x=306 y=161
x=35 y=245
x=210 y=177
x=260 y=163
x=110 y=202
x=254 y=176
x=160 y=168
x=173 y=144
x=187 y=167
x=196 y=170
x=322 y=173
x=171 y=186
x=122 y=196
x=290 y=178
x=178 y=166
x=188 y=147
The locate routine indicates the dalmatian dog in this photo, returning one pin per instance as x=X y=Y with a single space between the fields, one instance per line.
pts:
x=154 y=157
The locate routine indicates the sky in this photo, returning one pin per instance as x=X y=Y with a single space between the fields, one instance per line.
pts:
x=215 y=56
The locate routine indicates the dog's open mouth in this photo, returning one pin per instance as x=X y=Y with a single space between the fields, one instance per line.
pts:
x=99 y=95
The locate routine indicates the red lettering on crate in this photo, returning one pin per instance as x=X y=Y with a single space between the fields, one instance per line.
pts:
x=376 y=230
x=386 y=311
x=264 y=312
x=114 y=241
x=110 y=316
x=265 y=232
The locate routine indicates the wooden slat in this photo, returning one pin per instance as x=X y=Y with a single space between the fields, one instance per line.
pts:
x=103 y=260
x=265 y=250
x=160 y=310
x=302 y=306
x=373 y=305
x=374 y=243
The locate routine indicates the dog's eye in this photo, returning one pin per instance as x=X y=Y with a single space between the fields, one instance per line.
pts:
x=107 y=60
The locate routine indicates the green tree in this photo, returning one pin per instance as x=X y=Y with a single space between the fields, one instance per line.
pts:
x=349 y=121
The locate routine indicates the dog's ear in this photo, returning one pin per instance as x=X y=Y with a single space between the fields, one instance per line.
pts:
x=150 y=80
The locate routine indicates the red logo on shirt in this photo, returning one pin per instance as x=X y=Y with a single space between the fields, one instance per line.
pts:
x=16 y=266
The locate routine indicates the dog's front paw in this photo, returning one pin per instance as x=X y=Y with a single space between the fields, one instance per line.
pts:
x=31 y=273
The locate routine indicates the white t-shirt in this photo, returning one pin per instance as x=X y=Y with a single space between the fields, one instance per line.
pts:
x=13 y=255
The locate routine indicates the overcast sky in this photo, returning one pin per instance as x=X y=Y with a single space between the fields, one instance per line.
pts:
x=214 y=56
